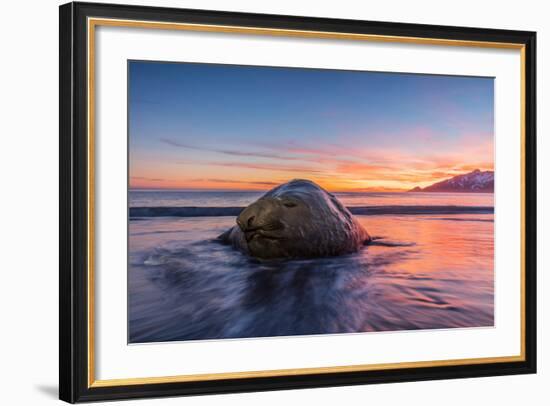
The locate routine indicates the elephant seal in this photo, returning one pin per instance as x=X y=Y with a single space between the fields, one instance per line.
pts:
x=298 y=219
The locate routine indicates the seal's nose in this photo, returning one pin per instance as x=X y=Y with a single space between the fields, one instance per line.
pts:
x=248 y=216
x=250 y=221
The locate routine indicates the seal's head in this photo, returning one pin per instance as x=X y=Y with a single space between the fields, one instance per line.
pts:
x=297 y=219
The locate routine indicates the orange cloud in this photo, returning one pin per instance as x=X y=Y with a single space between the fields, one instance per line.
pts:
x=335 y=167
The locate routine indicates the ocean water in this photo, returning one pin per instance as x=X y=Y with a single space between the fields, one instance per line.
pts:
x=424 y=271
x=175 y=198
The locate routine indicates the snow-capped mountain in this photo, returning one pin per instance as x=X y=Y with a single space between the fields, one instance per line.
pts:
x=476 y=181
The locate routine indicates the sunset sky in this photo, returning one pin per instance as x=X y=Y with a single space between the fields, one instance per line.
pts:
x=224 y=127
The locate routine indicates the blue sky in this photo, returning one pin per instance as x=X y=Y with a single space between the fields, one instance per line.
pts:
x=208 y=126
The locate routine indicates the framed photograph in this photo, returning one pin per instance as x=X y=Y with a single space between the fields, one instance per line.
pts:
x=256 y=202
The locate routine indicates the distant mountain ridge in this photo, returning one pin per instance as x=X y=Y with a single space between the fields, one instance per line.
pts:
x=474 y=182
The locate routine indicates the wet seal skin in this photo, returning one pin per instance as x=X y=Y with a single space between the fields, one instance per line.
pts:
x=297 y=219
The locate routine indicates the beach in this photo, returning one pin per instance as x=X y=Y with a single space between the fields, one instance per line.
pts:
x=430 y=267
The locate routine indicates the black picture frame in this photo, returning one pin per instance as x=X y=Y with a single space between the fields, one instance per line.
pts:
x=74 y=385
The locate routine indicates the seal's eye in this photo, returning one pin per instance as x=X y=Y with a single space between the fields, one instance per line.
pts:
x=289 y=204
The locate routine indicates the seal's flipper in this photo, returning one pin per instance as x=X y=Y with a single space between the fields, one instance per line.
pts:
x=224 y=237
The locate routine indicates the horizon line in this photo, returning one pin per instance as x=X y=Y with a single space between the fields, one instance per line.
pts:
x=130 y=189
x=141 y=189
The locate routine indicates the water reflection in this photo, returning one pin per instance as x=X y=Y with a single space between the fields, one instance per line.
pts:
x=434 y=272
